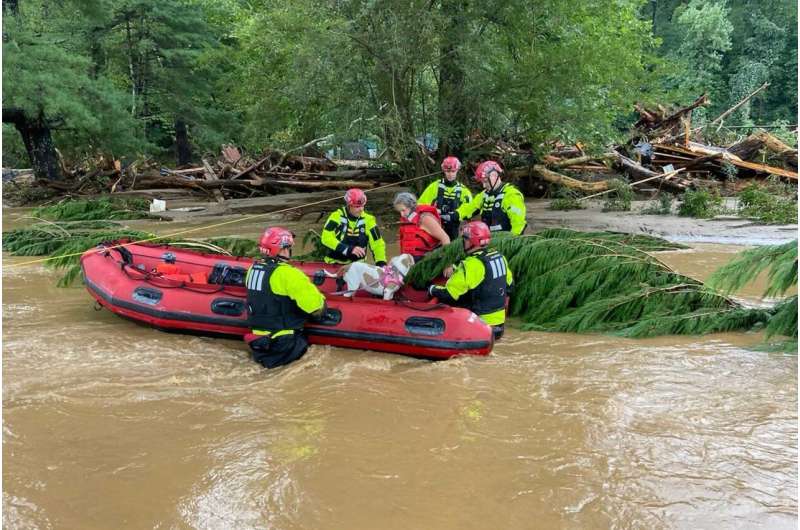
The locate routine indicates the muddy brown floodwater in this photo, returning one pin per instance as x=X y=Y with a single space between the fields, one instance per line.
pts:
x=109 y=424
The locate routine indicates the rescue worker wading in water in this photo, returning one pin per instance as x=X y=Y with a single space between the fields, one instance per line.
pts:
x=349 y=231
x=501 y=206
x=481 y=281
x=420 y=228
x=447 y=195
x=280 y=298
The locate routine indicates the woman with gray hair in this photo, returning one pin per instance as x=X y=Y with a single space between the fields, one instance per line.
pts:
x=420 y=226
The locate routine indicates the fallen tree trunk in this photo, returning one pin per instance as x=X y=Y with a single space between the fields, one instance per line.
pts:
x=557 y=178
x=675 y=184
x=702 y=160
x=252 y=167
x=738 y=105
x=652 y=121
x=749 y=148
x=733 y=159
x=580 y=160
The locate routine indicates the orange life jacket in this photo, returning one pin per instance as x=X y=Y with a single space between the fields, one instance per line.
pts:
x=413 y=239
x=173 y=272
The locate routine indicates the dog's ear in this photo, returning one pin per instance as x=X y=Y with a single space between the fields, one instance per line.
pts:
x=406 y=262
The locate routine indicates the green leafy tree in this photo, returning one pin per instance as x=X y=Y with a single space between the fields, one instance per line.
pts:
x=728 y=50
x=707 y=36
x=166 y=57
x=49 y=94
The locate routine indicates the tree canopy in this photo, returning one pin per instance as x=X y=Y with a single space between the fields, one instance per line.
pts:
x=174 y=79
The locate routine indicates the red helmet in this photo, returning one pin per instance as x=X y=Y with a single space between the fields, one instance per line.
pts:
x=451 y=163
x=275 y=239
x=355 y=197
x=484 y=169
x=476 y=234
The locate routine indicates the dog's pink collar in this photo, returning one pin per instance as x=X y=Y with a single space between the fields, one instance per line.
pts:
x=391 y=276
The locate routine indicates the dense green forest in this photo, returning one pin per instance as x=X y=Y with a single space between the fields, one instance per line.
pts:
x=174 y=79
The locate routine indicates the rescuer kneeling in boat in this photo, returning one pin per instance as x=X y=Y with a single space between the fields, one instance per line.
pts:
x=502 y=206
x=280 y=298
x=447 y=195
x=420 y=226
x=481 y=281
x=349 y=231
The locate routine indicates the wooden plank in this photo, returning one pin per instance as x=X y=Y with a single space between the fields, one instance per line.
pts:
x=763 y=168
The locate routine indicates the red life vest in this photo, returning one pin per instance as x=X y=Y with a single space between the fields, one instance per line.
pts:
x=413 y=239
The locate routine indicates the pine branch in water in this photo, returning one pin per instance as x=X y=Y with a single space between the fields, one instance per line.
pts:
x=237 y=246
x=601 y=282
x=780 y=263
x=94 y=209
x=779 y=260
x=784 y=319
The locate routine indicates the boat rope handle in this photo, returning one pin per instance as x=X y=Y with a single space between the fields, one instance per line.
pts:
x=223 y=223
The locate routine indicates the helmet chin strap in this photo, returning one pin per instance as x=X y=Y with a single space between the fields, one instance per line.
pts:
x=492 y=187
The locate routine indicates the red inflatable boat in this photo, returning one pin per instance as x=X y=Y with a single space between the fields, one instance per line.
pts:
x=177 y=289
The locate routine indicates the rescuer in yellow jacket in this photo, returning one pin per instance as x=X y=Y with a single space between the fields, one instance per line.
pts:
x=280 y=299
x=501 y=206
x=481 y=281
x=447 y=195
x=349 y=231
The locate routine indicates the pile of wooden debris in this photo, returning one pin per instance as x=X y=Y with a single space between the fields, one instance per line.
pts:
x=228 y=175
x=663 y=152
x=666 y=153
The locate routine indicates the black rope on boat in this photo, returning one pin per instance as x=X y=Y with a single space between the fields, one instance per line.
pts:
x=426 y=307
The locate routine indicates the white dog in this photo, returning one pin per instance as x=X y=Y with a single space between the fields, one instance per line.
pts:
x=385 y=281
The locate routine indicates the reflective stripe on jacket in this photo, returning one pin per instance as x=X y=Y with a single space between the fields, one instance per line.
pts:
x=343 y=232
x=279 y=297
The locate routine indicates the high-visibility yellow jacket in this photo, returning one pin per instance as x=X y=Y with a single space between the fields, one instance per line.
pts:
x=280 y=298
x=447 y=197
x=483 y=280
x=501 y=209
x=342 y=232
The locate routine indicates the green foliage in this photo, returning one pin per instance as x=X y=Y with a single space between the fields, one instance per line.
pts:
x=779 y=260
x=14 y=154
x=663 y=207
x=728 y=49
x=601 y=282
x=94 y=209
x=784 y=319
x=701 y=204
x=52 y=77
x=772 y=205
x=707 y=36
x=317 y=252
x=119 y=75
x=730 y=171
x=620 y=199
x=237 y=246
x=565 y=199
x=114 y=76
x=60 y=240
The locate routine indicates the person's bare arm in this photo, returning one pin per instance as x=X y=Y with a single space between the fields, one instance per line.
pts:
x=429 y=224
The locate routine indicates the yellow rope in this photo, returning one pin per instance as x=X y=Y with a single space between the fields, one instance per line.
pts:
x=215 y=225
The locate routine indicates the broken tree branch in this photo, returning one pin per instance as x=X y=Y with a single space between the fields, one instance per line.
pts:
x=736 y=107
x=664 y=176
x=580 y=160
